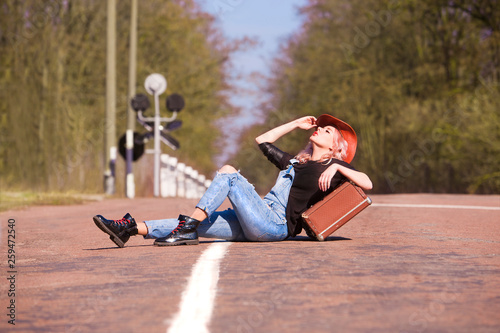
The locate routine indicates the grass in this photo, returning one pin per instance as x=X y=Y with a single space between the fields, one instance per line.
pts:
x=19 y=200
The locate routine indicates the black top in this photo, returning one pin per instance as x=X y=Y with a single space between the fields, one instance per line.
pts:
x=305 y=190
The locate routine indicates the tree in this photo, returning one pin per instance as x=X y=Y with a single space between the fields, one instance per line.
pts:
x=415 y=80
x=53 y=76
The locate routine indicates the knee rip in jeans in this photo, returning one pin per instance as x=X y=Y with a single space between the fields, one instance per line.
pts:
x=228 y=169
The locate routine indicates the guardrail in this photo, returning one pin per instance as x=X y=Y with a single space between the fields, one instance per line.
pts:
x=179 y=180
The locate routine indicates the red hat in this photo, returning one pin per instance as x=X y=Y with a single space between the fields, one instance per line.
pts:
x=345 y=130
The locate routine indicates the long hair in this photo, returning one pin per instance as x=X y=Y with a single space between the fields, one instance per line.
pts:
x=339 y=150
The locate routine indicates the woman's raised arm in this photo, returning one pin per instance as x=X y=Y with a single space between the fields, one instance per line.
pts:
x=271 y=136
x=358 y=177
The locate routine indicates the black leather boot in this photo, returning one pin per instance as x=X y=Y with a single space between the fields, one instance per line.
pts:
x=184 y=234
x=119 y=231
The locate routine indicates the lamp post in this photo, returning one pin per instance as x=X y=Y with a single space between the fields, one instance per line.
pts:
x=156 y=85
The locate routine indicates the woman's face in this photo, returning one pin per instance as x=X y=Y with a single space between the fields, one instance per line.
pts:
x=324 y=137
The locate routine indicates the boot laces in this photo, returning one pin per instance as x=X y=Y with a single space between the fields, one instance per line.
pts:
x=122 y=221
x=179 y=226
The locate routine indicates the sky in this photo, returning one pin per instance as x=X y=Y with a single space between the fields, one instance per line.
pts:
x=271 y=22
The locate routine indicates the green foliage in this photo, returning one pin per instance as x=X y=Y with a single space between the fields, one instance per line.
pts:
x=418 y=80
x=52 y=85
x=20 y=200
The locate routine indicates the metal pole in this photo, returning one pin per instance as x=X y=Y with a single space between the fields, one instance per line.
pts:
x=110 y=146
x=157 y=147
x=155 y=85
x=129 y=180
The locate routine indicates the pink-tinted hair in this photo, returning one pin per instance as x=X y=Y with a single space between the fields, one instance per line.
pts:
x=339 y=150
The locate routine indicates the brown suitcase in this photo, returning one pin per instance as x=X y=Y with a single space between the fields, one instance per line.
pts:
x=335 y=210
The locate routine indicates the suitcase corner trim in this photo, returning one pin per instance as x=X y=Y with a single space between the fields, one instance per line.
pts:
x=315 y=231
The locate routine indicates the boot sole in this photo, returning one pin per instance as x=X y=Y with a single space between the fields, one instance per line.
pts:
x=114 y=237
x=184 y=242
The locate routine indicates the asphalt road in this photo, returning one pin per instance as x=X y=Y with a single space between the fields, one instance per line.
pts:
x=408 y=263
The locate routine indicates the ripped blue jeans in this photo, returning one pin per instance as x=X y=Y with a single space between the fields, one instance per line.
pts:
x=252 y=218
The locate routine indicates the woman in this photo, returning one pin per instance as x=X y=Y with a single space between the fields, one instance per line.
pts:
x=304 y=180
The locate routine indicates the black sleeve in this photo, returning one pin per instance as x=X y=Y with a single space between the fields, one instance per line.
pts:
x=275 y=155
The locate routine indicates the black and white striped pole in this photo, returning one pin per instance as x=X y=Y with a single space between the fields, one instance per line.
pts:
x=129 y=144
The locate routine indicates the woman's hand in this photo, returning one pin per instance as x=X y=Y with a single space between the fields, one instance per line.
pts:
x=326 y=177
x=306 y=123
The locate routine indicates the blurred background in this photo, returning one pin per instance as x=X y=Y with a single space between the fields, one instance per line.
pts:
x=418 y=81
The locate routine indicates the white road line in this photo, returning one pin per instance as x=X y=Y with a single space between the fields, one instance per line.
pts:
x=198 y=298
x=434 y=206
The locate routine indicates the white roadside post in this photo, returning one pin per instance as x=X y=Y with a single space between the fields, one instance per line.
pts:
x=188 y=182
x=168 y=176
x=164 y=175
x=172 y=177
x=201 y=186
x=129 y=178
x=194 y=184
x=181 y=180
